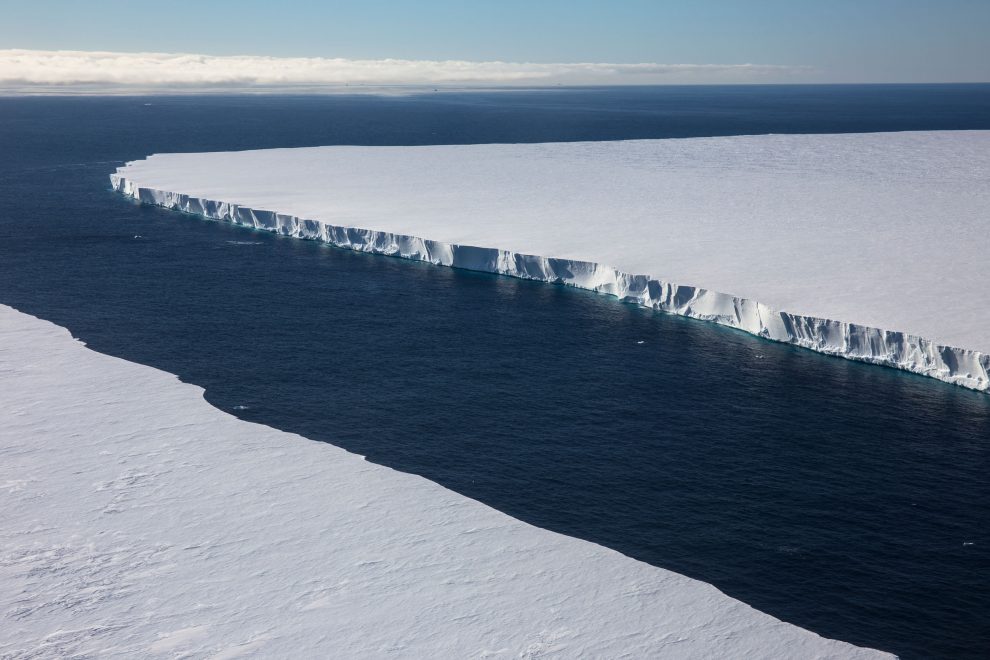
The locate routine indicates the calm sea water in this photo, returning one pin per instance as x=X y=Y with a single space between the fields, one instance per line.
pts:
x=848 y=499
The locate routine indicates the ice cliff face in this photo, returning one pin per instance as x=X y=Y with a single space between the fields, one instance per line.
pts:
x=890 y=348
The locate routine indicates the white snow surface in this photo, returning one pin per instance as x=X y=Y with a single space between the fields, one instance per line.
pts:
x=139 y=521
x=869 y=246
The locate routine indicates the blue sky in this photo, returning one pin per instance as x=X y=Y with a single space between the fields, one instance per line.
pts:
x=840 y=40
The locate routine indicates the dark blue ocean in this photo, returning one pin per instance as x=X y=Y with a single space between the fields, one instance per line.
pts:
x=848 y=499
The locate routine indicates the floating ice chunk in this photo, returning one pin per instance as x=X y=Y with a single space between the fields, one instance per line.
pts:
x=867 y=246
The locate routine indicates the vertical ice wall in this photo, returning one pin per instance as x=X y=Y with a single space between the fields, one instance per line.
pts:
x=890 y=348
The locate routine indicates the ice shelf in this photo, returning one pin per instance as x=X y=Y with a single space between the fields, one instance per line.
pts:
x=871 y=247
x=139 y=521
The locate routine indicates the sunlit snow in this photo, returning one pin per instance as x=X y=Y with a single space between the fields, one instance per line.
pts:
x=868 y=246
x=140 y=521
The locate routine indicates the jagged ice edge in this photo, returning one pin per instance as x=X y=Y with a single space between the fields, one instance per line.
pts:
x=963 y=367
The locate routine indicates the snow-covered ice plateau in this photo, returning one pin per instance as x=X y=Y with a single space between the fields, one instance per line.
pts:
x=139 y=521
x=871 y=247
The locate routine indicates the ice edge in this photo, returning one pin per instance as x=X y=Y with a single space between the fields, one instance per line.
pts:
x=958 y=366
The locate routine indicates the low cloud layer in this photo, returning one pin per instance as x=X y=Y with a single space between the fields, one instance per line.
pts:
x=121 y=71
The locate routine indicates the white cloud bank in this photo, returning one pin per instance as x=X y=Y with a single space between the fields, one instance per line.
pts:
x=121 y=71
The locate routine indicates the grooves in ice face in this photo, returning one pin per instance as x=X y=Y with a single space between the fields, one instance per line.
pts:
x=967 y=368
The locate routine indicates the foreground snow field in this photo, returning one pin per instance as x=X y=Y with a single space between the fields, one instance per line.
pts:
x=868 y=246
x=139 y=520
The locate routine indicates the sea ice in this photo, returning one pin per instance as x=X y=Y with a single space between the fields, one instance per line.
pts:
x=139 y=521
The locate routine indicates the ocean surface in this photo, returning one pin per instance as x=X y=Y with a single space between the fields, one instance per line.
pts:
x=845 y=498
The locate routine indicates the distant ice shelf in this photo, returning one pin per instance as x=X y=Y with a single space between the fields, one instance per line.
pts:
x=139 y=521
x=871 y=247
